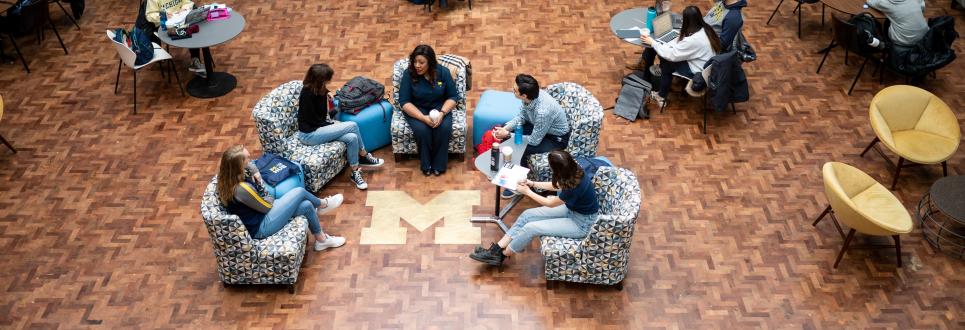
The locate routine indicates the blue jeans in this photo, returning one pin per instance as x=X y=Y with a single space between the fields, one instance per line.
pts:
x=344 y=131
x=548 y=221
x=667 y=68
x=295 y=202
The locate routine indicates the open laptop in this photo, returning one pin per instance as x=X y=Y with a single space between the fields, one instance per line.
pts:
x=663 y=29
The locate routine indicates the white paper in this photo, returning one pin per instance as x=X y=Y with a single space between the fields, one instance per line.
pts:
x=509 y=177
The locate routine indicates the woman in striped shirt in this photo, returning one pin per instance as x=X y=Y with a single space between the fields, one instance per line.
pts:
x=240 y=191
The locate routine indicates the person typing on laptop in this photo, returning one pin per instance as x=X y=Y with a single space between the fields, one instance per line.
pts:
x=685 y=55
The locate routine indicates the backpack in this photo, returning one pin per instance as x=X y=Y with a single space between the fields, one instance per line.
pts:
x=139 y=41
x=743 y=48
x=864 y=24
x=359 y=93
x=632 y=101
x=275 y=169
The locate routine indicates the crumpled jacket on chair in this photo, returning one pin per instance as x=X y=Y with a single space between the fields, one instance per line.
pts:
x=727 y=83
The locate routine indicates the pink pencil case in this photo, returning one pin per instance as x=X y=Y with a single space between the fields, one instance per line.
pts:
x=218 y=14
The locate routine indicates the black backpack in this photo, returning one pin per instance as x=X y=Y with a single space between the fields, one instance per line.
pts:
x=863 y=24
x=359 y=93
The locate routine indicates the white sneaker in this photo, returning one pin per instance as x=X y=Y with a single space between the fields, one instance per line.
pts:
x=655 y=96
x=330 y=242
x=196 y=66
x=331 y=202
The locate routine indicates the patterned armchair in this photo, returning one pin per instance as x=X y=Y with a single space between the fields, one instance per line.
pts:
x=244 y=260
x=586 y=120
x=403 y=142
x=276 y=117
x=602 y=256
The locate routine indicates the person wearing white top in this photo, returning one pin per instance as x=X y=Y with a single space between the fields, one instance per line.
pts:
x=687 y=54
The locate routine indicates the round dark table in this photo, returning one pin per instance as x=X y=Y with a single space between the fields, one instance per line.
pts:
x=941 y=213
x=212 y=33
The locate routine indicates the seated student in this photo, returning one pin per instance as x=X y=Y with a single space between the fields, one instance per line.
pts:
x=425 y=86
x=686 y=55
x=239 y=187
x=152 y=13
x=726 y=19
x=571 y=214
x=545 y=125
x=316 y=124
x=907 y=17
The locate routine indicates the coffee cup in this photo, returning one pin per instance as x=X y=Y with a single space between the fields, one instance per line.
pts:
x=507 y=152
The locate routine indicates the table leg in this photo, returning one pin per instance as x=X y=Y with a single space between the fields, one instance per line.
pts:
x=498 y=214
x=216 y=84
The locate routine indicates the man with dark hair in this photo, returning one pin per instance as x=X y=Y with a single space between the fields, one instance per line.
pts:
x=544 y=123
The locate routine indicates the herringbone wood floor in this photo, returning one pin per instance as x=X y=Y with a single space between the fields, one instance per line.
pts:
x=99 y=221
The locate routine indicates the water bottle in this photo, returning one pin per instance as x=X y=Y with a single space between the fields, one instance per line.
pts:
x=494 y=158
x=518 y=135
x=164 y=21
x=651 y=14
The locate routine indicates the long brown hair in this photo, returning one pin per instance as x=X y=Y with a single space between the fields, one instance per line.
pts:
x=567 y=173
x=316 y=78
x=693 y=21
x=231 y=173
x=431 y=62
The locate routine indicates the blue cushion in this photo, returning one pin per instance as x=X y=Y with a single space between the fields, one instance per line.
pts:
x=494 y=108
x=374 y=123
x=292 y=182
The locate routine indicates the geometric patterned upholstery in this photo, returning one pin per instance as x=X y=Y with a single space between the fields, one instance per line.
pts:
x=244 y=260
x=403 y=141
x=276 y=117
x=586 y=120
x=602 y=257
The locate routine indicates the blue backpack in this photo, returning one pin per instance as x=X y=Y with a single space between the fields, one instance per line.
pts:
x=139 y=41
x=275 y=169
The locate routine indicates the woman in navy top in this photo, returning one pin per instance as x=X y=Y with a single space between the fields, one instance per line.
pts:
x=569 y=215
x=427 y=86
x=240 y=192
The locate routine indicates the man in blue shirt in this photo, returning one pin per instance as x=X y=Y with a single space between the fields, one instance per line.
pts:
x=545 y=125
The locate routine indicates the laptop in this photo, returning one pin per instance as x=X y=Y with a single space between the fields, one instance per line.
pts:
x=663 y=30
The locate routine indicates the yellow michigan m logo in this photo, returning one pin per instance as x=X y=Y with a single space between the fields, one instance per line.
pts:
x=390 y=207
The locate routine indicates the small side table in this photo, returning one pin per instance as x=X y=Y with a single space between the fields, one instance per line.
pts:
x=941 y=213
x=482 y=164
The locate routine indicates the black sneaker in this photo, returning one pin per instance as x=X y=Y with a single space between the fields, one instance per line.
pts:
x=358 y=180
x=493 y=257
x=370 y=161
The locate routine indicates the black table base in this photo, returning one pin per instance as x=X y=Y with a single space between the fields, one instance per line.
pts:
x=217 y=84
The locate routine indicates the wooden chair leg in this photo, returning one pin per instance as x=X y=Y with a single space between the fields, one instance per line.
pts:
x=398 y=157
x=844 y=248
x=873 y=142
x=894 y=181
x=945 y=168
x=823 y=214
x=897 y=248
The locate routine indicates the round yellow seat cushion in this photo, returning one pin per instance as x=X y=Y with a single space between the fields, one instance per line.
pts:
x=923 y=147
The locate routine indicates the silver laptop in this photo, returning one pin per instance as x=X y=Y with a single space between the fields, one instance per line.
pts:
x=663 y=30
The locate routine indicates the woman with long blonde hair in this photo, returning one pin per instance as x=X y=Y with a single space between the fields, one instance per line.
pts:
x=238 y=188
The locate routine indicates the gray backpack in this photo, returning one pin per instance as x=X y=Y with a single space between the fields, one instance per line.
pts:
x=359 y=93
x=632 y=101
